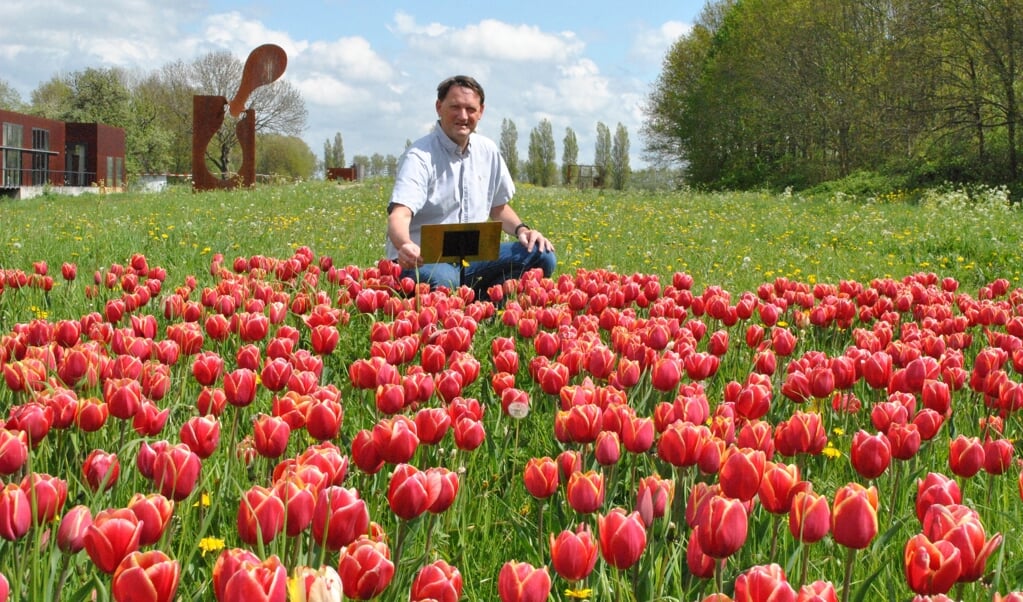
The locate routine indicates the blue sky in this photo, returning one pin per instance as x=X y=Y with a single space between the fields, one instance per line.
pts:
x=369 y=70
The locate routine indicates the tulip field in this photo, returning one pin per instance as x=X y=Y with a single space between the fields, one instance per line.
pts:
x=733 y=396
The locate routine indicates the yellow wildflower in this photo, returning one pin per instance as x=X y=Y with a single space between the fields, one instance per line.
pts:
x=579 y=594
x=211 y=544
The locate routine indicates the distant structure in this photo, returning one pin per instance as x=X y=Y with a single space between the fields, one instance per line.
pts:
x=348 y=174
x=586 y=176
x=38 y=154
x=264 y=65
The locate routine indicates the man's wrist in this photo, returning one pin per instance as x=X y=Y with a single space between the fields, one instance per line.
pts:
x=520 y=227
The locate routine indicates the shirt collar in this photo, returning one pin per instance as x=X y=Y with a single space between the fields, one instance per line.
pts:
x=448 y=144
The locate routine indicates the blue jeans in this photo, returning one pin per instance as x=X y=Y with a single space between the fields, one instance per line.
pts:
x=512 y=261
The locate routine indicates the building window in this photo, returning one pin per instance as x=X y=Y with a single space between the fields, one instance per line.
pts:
x=12 y=154
x=119 y=171
x=40 y=160
x=109 y=179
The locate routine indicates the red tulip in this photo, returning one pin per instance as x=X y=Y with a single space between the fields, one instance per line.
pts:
x=270 y=435
x=408 y=492
x=437 y=581
x=396 y=439
x=299 y=496
x=365 y=569
x=653 y=496
x=965 y=456
x=112 y=535
x=207 y=368
x=176 y=471
x=779 y=486
x=961 y=526
x=698 y=563
x=323 y=419
x=73 y=525
x=432 y=424
x=722 y=524
x=240 y=387
x=146 y=577
x=606 y=448
x=930 y=567
x=469 y=433
x=809 y=517
x=201 y=434
x=681 y=443
x=997 y=456
x=818 y=591
x=122 y=396
x=666 y=373
x=101 y=470
x=854 y=516
x=260 y=515
x=154 y=511
x=935 y=488
x=365 y=453
x=15 y=512
x=574 y=554
x=239 y=576
x=741 y=472
x=763 y=583
x=905 y=440
x=339 y=518
x=870 y=454
x=540 y=477
x=585 y=491
x=13 y=451
x=622 y=537
x=47 y=493
x=442 y=487
x=521 y=582
x=803 y=433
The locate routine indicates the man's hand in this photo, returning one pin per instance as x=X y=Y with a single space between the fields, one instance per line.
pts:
x=533 y=239
x=409 y=256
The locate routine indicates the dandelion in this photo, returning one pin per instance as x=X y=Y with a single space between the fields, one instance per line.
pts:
x=831 y=452
x=579 y=594
x=211 y=544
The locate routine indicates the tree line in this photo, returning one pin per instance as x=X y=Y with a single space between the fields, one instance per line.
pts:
x=798 y=92
x=610 y=167
x=155 y=110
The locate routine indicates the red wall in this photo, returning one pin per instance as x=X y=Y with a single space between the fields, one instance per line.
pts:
x=57 y=141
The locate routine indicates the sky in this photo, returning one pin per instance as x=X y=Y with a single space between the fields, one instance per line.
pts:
x=369 y=70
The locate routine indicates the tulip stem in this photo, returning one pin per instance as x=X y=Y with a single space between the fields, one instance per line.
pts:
x=850 y=559
x=65 y=570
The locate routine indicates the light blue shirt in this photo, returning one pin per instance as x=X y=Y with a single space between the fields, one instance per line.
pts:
x=443 y=185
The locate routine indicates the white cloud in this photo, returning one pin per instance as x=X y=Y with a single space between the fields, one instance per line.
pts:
x=650 y=45
x=489 y=39
x=351 y=58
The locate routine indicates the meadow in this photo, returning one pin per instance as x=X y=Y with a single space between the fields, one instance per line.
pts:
x=664 y=419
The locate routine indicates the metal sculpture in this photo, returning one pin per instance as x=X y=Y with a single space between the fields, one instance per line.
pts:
x=264 y=65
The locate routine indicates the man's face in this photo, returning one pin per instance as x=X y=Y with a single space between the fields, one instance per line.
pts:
x=459 y=113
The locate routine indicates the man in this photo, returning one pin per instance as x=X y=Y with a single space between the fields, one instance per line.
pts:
x=453 y=175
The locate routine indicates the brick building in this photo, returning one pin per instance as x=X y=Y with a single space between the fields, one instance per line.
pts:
x=35 y=151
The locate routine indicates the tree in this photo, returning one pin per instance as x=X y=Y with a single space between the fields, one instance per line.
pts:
x=284 y=156
x=620 y=169
x=10 y=100
x=509 y=146
x=602 y=152
x=149 y=147
x=543 y=167
x=569 y=156
x=51 y=99
x=334 y=153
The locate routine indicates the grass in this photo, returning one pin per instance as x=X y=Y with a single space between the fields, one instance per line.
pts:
x=735 y=241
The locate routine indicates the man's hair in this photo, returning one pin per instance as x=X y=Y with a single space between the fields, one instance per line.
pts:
x=459 y=80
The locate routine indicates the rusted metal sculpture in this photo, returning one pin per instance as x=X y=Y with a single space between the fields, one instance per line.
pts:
x=264 y=66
